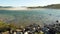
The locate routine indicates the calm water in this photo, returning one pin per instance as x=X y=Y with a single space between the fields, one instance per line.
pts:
x=30 y=16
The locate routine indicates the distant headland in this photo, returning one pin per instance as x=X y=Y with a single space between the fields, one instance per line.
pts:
x=52 y=6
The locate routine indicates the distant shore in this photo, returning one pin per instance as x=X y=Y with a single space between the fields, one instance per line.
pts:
x=24 y=8
x=52 y=6
x=16 y=8
x=21 y=9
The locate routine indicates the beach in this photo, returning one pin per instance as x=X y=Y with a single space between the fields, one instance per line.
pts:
x=14 y=8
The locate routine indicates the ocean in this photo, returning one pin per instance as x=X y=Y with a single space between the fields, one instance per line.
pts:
x=39 y=16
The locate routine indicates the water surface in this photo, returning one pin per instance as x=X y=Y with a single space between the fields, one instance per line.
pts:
x=30 y=16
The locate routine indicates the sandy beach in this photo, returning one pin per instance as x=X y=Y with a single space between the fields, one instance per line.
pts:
x=15 y=8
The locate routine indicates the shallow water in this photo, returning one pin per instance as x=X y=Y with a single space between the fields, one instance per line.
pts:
x=30 y=16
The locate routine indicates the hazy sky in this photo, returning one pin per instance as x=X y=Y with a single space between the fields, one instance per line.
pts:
x=28 y=2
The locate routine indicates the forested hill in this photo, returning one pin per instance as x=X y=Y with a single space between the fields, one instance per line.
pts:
x=55 y=6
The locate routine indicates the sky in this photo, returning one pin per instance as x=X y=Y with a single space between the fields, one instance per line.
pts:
x=28 y=2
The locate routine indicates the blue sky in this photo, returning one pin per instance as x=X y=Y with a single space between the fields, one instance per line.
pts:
x=28 y=2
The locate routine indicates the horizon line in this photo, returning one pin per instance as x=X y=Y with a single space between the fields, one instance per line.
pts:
x=28 y=6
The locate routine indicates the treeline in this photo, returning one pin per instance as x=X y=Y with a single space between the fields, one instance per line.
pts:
x=54 y=6
x=34 y=7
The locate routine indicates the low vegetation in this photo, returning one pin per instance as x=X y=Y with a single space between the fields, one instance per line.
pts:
x=6 y=27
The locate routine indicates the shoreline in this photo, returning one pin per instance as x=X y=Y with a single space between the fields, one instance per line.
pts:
x=13 y=8
x=24 y=8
